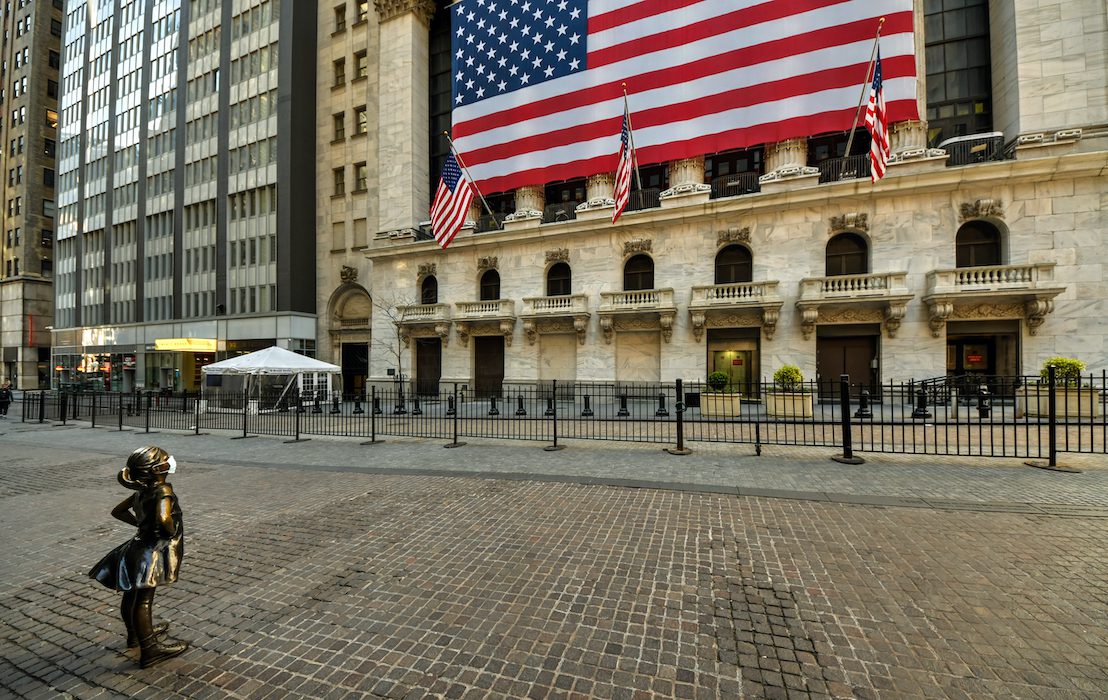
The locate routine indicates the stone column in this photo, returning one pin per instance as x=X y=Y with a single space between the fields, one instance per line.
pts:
x=530 y=201
x=787 y=159
x=686 y=181
x=908 y=139
x=599 y=189
x=403 y=148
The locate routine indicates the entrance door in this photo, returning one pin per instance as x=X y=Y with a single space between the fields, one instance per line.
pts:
x=853 y=355
x=737 y=365
x=355 y=368
x=428 y=369
x=488 y=365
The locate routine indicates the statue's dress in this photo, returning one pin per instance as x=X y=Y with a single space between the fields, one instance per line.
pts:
x=153 y=556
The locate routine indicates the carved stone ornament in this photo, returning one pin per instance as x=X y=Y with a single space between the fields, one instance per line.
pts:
x=439 y=330
x=557 y=255
x=808 y=317
x=939 y=312
x=427 y=269
x=486 y=263
x=982 y=209
x=858 y=221
x=348 y=274
x=389 y=9
x=894 y=314
x=734 y=235
x=638 y=245
x=505 y=327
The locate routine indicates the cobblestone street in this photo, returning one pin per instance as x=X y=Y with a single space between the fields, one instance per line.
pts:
x=384 y=571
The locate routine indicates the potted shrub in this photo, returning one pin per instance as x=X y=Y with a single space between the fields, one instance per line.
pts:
x=1071 y=399
x=789 y=397
x=718 y=401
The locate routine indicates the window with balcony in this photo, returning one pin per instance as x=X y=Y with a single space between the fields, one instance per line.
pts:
x=734 y=264
x=429 y=290
x=558 y=279
x=959 y=68
x=490 y=285
x=638 y=273
x=978 y=245
x=847 y=254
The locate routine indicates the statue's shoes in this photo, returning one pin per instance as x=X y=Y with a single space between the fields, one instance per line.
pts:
x=133 y=640
x=158 y=652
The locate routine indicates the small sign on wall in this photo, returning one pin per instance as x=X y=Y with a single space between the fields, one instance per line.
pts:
x=737 y=361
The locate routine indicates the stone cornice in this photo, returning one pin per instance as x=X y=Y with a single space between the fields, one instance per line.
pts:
x=390 y=9
x=850 y=192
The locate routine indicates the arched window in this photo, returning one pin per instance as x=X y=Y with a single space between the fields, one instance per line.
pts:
x=847 y=254
x=490 y=285
x=638 y=273
x=977 y=244
x=429 y=290
x=734 y=264
x=558 y=280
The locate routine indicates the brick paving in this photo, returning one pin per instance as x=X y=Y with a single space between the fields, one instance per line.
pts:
x=327 y=569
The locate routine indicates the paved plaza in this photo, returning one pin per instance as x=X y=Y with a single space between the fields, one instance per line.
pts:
x=332 y=569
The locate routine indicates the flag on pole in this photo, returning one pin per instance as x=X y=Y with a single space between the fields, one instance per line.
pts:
x=877 y=123
x=448 y=211
x=536 y=85
x=626 y=164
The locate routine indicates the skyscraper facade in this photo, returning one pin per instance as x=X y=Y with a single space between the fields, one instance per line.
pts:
x=186 y=188
x=29 y=85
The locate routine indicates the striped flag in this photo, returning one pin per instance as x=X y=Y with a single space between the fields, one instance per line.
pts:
x=626 y=164
x=877 y=123
x=448 y=211
x=537 y=84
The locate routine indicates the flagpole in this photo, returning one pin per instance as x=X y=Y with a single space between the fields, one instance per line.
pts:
x=477 y=189
x=865 y=86
x=631 y=137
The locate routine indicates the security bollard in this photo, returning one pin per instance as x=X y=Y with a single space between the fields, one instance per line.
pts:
x=863 y=405
x=623 y=412
x=493 y=410
x=316 y=408
x=586 y=412
x=451 y=409
x=984 y=404
x=661 y=406
x=416 y=410
x=520 y=410
x=299 y=403
x=920 y=411
x=549 y=407
x=377 y=406
x=335 y=403
x=358 y=410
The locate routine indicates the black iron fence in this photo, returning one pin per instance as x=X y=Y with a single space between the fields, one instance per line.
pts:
x=967 y=415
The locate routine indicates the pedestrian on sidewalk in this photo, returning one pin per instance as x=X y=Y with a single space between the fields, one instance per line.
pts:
x=152 y=557
x=5 y=399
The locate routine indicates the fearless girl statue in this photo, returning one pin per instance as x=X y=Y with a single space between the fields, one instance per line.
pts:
x=152 y=557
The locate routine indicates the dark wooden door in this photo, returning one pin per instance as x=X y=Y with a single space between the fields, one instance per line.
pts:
x=849 y=355
x=428 y=368
x=488 y=365
x=355 y=367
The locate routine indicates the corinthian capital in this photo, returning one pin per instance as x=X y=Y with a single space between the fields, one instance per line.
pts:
x=388 y=9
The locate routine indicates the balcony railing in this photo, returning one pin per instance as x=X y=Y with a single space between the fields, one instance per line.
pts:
x=562 y=211
x=991 y=278
x=975 y=148
x=644 y=199
x=848 y=168
x=735 y=185
x=423 y=313
x=853 y=286
x=737 y=293
x=493 y=308
x=556 y=305
x=488 y=223
x=639 y=300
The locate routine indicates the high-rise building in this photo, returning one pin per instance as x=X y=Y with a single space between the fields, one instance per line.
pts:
x=186 y=227
x=29 y=82
x=977 y=254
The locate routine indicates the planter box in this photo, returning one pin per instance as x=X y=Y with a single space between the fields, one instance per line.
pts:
x=789 y=404
x=720 y=405
x=1069 y=403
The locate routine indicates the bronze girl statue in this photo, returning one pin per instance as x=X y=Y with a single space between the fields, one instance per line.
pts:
x=152 y=557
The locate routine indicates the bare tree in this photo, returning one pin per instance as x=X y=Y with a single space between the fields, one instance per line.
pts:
x=394 y=308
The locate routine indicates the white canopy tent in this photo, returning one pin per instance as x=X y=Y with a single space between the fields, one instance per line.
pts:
x=263 y=378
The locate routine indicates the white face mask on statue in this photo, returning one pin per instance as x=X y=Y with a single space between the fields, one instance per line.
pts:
x=172 y=465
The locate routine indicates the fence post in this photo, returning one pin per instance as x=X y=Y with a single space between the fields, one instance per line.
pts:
x=374 y=401
x=63 y=406
x=551 y=412
x=1052 y=409
x=454 y=403
x=147 y=413
x=92 y=410
x=196 y=411
x=296 y=430
x=848 y=438
x=42 y=406
x=679 y=406
x=121 y=412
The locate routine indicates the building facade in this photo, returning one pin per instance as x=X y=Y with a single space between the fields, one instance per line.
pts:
x=978 y=253
x=28 y=133
x=186 y=188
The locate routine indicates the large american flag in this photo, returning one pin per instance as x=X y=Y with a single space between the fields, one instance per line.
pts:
x=537 y=83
